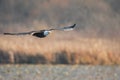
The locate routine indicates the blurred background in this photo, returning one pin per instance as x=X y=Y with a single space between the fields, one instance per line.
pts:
x=93 y=17
x=95 y=39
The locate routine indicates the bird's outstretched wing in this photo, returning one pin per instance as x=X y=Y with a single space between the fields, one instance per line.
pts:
x=23 y=33
x=67 y=28
x=42 y=32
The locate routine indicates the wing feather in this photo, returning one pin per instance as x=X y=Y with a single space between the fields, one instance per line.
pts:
x=24 y=33
x=68 y=28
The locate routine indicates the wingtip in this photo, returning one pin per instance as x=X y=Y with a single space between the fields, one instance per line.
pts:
x=6 y=33
x=74 y=25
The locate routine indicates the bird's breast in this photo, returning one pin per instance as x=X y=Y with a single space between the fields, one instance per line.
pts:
x=40 y=35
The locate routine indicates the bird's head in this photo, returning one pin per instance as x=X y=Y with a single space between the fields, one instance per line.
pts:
x=46 y=32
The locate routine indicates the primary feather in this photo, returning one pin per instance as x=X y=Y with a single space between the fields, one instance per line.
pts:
x=68 y=28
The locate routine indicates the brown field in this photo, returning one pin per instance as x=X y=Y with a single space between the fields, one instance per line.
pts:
x=95 y=39
x=55 y=49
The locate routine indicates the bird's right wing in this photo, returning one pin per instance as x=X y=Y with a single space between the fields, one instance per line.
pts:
x=68 y=28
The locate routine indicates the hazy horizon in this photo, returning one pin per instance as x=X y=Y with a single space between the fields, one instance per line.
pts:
x=93 y=17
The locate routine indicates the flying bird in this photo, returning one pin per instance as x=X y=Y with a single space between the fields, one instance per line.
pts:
x=43 y=33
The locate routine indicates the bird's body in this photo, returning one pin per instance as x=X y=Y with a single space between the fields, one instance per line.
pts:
x=42 y=33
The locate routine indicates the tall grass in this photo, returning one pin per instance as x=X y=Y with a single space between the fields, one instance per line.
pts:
x=93 y=18
x=56 y=49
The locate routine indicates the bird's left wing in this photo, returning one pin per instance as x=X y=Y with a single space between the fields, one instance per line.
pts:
x=23 y=33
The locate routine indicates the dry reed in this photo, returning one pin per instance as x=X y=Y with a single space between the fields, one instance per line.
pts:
x=55 y=49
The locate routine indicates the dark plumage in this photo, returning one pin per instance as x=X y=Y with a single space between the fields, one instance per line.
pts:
x=39 y=34
x=42 y=33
